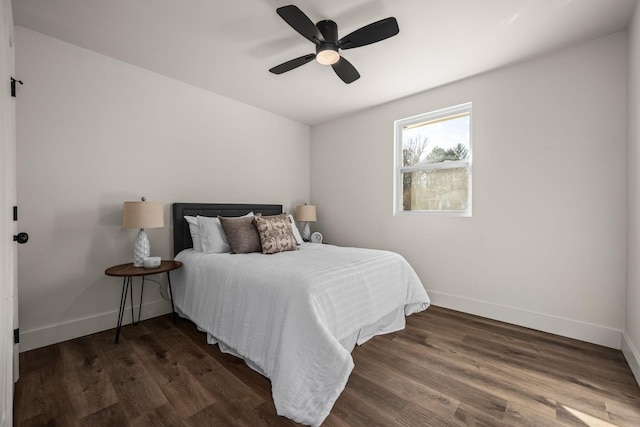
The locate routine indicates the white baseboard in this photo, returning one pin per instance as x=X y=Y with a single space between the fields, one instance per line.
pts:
x=59 y=332
x=596 y=334
x=632 y=355
x=570 y=328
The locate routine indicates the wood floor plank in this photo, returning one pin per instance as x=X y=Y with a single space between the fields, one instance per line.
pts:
x=232 y=364
x=588 y=397
x=622 y=414
x=436 y=377
x=598 y=380
x=136 y=389
x=162 y=416
x=112 y=415
x=405 y=411
x=334 y=420
x=233 y=414
x=439 y=351
x=406 y=387
x=265 y=415
x=467 y=415
x=360 y=412
x=526 y=415
x=44 y=400
x=233 y=394
x=569 y=416
x=180 y=388
x=445 y=369
x=220 y=384
x=88 y=385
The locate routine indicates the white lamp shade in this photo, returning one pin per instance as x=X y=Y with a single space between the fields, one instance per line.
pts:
x=306 y=213
x=142 y=215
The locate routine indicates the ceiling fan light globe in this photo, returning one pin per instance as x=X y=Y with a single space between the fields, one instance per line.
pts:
x=327 y=57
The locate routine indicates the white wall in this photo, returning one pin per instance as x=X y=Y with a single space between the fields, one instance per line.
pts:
x=631 y=338
x=546 y=245
x=93 y=132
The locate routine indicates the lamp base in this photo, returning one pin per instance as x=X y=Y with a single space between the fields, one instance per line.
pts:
x=141 y=249
x=306 y=232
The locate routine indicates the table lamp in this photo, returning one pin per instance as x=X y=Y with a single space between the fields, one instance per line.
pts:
x=306 y=214
x=142 y=215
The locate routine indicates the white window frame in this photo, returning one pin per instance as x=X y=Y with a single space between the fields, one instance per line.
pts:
x=399 y=168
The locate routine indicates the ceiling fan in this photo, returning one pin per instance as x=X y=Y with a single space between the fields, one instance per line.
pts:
x=324 y=35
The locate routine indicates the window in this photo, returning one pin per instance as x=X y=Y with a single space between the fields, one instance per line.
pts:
x=433 y=162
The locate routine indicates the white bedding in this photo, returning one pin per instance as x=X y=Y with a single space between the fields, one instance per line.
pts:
x=295 y=316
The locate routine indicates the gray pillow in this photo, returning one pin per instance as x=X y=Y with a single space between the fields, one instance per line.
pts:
x=242 y=234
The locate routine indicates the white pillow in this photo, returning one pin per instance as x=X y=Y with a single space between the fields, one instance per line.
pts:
x=212 y=235
x=296 y=233
x=214 y=239
x=194 y=229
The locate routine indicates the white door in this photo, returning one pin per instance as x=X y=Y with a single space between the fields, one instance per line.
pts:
x=8 y=258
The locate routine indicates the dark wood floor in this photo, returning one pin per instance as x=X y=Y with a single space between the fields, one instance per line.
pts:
x=445 y=369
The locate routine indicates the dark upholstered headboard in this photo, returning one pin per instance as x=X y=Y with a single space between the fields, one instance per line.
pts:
x=181 y=235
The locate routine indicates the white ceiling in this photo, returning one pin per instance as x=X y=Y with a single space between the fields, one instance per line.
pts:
x=227 y=47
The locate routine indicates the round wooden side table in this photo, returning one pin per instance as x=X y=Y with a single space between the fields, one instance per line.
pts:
x=128 y=272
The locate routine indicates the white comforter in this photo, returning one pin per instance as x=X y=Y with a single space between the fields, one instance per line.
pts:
x=295 y=316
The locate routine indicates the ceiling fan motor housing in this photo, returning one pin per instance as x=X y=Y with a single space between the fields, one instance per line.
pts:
x=327 y=50
x=329 y=30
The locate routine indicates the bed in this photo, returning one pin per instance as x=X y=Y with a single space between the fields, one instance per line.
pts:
x=293 y=316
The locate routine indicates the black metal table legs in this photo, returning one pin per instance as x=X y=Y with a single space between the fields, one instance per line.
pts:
x=173 y=310
x=127 y=285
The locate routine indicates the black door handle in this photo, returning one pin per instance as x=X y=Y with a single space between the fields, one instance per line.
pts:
x=21 y=238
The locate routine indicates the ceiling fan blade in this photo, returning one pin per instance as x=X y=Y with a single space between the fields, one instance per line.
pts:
x=300 y=22
x=346 y=71
x=294 y=63
x=371 y=33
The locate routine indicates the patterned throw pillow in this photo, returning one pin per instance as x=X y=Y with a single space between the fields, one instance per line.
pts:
x=242 y=234
x=275 y=234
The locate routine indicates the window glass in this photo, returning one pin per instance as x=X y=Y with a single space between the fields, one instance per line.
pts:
x=433 y=166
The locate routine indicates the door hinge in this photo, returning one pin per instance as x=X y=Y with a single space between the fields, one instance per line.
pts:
x=15 y=213
x=16 y=336
x=13 y=86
